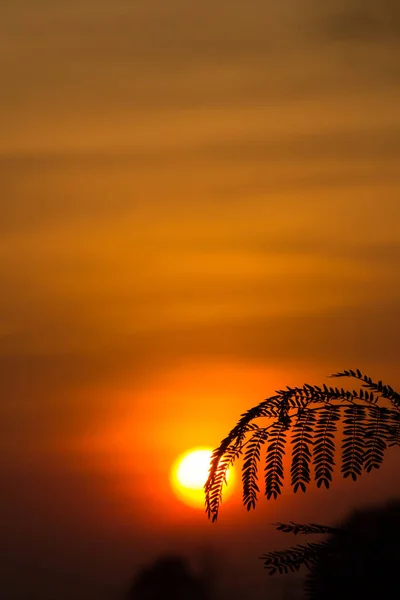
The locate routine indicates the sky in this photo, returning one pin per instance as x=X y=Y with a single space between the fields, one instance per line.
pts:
x=199 y=204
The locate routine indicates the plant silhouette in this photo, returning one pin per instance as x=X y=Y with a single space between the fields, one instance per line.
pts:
x=307 y=418
x=363 y=560
x=360 y=557
x=169 y=578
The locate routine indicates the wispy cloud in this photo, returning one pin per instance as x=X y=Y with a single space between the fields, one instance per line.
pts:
x=364 y=21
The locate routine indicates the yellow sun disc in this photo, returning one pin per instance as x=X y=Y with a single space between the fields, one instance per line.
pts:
x=189 y=474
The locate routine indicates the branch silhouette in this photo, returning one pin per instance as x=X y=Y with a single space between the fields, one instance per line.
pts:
x=359 y=557
x=307 y=418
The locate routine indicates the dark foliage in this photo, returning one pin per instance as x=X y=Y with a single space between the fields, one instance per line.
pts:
x=292 y=559
x=250 y=466
x=274 y=459
x=297 y=528
x=310 y=414
x=358 y=559
x=362 y=563
x=168 y=578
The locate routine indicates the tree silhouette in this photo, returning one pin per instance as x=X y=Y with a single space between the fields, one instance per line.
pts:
x=359 y=558
x=362 y=560
x=169 y=578
x=307 y=419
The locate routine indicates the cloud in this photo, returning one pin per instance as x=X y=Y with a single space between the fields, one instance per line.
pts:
x=56 y=188
x=92 y=57
x=344 y=335
x=364 y=21
x=67 y=395
x=138 y=234
x=253 y=283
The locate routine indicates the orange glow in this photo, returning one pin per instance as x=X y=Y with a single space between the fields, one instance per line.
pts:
x=189 y=474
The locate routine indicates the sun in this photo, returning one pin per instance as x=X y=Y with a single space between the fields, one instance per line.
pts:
x=189 y=474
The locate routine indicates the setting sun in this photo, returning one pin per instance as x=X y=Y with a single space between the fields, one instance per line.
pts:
x=189 y=474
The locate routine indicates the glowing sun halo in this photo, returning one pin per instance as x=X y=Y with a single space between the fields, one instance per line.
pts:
x=189 y=474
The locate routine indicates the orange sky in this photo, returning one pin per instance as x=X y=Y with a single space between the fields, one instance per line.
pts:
x=199 y=204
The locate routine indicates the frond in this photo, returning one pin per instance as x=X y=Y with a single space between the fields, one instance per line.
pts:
x=301 y=397
x=324 y=445
x=353 y=445
x=394 y=429
x=376 y=433
x=385 y=391
x=250 y=467
x=274 y=462
x=231 y=448
x=311 y=413
x=302 y=441
x=305 y=529
x=220 y=463
x=292 y=559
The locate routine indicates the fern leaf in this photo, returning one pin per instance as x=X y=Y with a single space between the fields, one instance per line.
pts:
x=292 y=559
x=394 y=429
x=384 y=390
x=324 y=445
x=306 y=529
x=353 y=448
x=250 y=467
x=274 y=461
x=301 y=455
x=217 y=478
x=313 y=438
x=267 y=408
x=376 y=432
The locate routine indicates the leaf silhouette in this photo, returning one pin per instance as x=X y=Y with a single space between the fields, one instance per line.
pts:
x=292 y=559
x=324 y=445
x=302 y=441
x=250 y=467
x=274 y=462
x=310 y=414
x=353 y=441
x=377 y=430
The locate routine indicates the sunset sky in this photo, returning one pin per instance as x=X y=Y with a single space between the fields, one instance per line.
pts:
x=199 y=203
